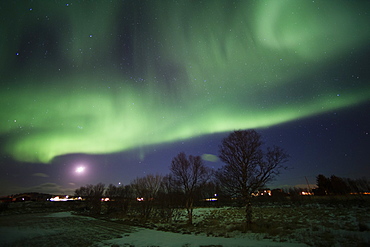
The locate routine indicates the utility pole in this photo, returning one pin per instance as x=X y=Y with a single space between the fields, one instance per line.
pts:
x=309 y=189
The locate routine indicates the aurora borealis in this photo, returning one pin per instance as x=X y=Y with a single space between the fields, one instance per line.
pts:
x=99 y=78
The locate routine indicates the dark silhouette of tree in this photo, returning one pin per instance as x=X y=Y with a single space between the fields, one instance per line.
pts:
x=339 y=186
x=120 y=198
x=334 y=185
x=170 y=199
x=93 y=195
x=189 y=174
x=147 y=189
x=323 y=184
x=247 y=167
x=359 y=185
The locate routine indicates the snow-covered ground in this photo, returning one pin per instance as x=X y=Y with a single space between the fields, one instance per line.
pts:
x=275 y=225
x=147 y=237
x=312 y=223
x=66 y=229
x=56 y=229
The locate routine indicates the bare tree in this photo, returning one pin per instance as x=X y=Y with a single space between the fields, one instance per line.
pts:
x=170 y=199
x=93 y=195
x=247 y=167
x=120 y=198
x=189 y=175
x=147 y=188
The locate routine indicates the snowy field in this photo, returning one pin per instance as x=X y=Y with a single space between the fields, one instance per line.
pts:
x=66 y=229
x=312 y=224
x=274 y=225
x=147 y=237
x=56 y=229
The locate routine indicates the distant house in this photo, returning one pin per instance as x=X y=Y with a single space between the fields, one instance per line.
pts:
x=269 y=192
x=262 y=192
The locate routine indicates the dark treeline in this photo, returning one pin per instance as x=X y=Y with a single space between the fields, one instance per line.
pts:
x=340 y=186
x=149 y=197
x=190 y=182
x=164 y=197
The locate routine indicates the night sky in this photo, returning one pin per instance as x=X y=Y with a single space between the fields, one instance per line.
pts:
x=121 y=87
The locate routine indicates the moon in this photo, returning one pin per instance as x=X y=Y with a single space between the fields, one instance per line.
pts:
x=80 y=169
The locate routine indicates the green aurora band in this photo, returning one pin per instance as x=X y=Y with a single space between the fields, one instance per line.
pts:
x=196 y=69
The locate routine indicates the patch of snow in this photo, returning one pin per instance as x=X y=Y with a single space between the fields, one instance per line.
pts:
x=147 y=237
x=61 y=215
x=67 y=214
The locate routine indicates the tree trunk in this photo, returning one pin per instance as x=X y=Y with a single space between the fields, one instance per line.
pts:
x=189 y=208
x=248 y=213
x=190 y=216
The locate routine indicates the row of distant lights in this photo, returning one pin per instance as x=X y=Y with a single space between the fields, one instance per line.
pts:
x=67 y=198
x=64 y=199
x=140 y=199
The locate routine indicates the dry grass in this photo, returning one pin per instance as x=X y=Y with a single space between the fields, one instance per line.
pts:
x=312 y=224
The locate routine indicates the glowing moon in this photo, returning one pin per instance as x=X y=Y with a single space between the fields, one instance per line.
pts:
x=80 y=169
